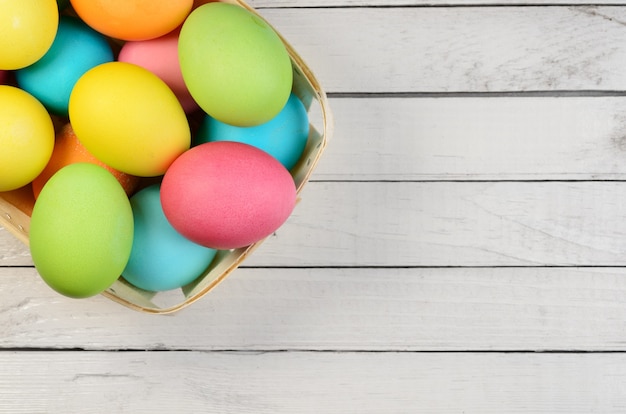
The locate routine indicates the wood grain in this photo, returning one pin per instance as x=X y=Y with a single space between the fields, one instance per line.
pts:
x=460 y=49
x=12 y=251
x=132 y=382
x=476 y=138
x=453 y=224
x=467 y=217
x=443 y=224
x=382 y=310
x=262 y=4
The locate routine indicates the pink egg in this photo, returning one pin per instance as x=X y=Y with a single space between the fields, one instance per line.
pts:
x=160 y=56
x=227 y=195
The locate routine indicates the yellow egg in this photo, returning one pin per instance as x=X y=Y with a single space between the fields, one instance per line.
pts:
x=129 y=119
x=27 y=30
x=26 y=138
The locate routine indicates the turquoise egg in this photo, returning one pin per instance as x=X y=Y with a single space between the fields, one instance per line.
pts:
x=284 y=137
x=161 y=258
x=76 y=49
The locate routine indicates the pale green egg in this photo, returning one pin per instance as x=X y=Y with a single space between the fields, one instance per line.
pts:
x=81 y=230
x=234 y=64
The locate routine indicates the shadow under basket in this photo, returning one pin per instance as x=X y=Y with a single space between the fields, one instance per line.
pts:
x=16 y=206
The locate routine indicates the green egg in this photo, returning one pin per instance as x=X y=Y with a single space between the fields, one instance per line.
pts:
x=81 y=230
x=234 y=64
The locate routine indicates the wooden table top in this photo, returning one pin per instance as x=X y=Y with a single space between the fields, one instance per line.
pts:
x=461 y=247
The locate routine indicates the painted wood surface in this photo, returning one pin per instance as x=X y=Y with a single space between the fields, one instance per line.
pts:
x=389 y=309
x=477 y=138
x=264 y=4
x=347 y=224
x=461 y=247
x=460 y=49
x=295 y=382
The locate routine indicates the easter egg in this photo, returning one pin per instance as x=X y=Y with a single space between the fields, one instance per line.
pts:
x=227 y=195
x=69 y=150
x=27 y=30
x=81 y=230
x=129 y=119
x=160 y=56
x=284 y=137
x=234 y=64
x=133 y=19
x=76 y=49
x=161 y=258
x=26 y=137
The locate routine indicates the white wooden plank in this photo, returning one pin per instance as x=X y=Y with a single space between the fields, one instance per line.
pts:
x=484 y=309
x=166 y=382
x=476 y=138
x=12 y=251
x=368 y=3
x=444 y=224
x=452 y=224
x=452 y=49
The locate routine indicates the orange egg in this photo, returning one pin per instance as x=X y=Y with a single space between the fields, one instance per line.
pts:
x=69 y=150
x=133 y=19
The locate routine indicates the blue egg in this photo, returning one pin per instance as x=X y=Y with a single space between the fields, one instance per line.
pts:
x=284 y=136
x=76 y=49
x=161 y=258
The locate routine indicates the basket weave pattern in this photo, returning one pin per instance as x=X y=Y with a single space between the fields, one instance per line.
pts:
x=16 y=206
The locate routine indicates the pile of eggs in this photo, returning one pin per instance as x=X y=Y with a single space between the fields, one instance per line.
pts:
x=153 y=133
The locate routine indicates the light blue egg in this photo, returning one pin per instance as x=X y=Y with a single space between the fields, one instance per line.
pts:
x=284 y=136
x=76 y=49
x=161 y=258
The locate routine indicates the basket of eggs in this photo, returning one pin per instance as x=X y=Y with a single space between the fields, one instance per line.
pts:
x=149 y=146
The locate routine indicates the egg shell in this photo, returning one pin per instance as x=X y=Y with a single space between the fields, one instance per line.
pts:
x=227 y=195
x=234 y=64
x=27 y=30
x=81 y=230
x=284 y=137
x=129 y=118
x=26 y=137
x=133 y=19
x=76 y=49
x=69 y=150
x=160 y=56
x=161 y=258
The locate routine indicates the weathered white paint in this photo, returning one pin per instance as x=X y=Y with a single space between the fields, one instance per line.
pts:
x=477 y=138
x=287 y=382
x=460 y=49
x=383 y=206
x=444 y=224
x=262 y=4
x=453 y=224
x=441 y=309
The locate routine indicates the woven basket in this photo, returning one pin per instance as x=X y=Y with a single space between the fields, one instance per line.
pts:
x=16 y=206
